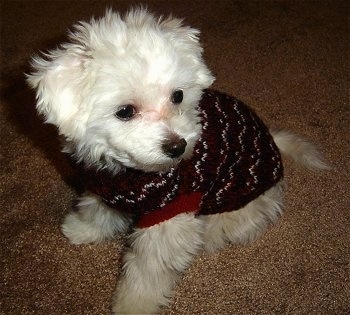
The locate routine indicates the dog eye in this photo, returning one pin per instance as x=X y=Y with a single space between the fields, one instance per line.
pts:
x=126 y=112
x=177 y=96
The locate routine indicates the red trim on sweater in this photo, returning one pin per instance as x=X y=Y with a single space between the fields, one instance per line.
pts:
x=182 y=204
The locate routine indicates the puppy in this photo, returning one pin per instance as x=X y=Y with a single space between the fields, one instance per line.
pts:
x=181 y=167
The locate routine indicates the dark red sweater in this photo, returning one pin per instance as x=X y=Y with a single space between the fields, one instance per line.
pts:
x=234 y=161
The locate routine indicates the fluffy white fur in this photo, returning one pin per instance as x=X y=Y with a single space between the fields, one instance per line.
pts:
x=140 y=60
x=94 y=222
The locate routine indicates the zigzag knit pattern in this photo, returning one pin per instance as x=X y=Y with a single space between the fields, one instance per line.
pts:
x=234 y=161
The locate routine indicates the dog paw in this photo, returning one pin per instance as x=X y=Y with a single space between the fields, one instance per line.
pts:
x=141 y=305
x=141 y=293
x=79 y=231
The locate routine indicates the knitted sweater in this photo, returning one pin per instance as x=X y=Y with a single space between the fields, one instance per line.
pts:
x=234 y=161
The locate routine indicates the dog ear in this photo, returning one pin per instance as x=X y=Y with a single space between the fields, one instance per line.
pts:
x=187 y=39
x=59 y=81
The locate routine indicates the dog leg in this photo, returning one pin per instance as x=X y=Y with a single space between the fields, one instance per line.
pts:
x=153 y=263
x=93 y=222
x=244 y=225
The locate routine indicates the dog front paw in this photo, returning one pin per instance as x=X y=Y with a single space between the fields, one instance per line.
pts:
x=94 y=222
x=79 y=231
x=129 y=308
x=130 y=300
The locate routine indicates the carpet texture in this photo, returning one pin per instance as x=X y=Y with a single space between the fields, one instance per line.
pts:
x=289 y=61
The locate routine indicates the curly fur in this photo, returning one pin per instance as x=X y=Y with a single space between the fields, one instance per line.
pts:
x=140 y=59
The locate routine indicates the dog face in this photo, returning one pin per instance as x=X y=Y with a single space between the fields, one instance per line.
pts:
x=124 y=91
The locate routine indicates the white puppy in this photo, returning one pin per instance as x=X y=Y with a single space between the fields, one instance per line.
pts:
x=158 y=150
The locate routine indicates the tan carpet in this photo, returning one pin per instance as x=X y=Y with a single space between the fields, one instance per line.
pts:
x=288 y=60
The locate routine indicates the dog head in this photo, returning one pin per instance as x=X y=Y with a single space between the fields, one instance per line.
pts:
x=123 y=91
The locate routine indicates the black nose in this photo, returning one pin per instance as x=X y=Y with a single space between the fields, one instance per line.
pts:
x=174 y=147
